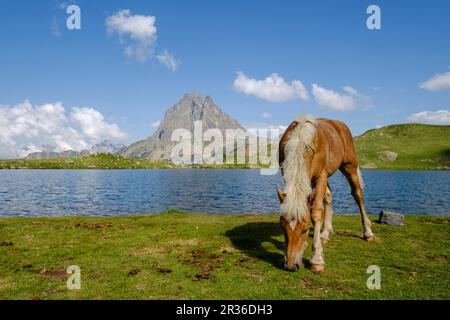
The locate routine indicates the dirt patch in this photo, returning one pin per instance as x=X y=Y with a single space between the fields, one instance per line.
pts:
x=94 y=225
x=127 y=226
x=4 y=243
x=205 y=272
x=205 y=262
x=133 y=272
x=342 y=288
x=57 y=274
x=149 y=250
x=240 y=262
x=163 y=270
x=93 y=276
x=183 y=242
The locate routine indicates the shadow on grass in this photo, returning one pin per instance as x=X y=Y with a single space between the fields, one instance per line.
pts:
x=249 y=238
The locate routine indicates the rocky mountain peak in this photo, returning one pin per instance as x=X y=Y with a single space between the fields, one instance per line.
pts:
x=190 y=108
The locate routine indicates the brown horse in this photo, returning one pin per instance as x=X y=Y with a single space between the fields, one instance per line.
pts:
x=310 y=151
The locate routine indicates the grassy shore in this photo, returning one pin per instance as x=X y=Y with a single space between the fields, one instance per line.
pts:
x=196 y=256
x=103 y=161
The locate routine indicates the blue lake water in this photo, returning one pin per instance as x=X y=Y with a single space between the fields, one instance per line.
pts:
x=122 y=192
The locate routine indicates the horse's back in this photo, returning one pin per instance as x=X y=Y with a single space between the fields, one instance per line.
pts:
x=339 y=137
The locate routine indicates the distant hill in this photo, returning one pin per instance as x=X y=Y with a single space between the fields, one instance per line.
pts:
x=405 y=146
x=105 y=146
x=192 y=107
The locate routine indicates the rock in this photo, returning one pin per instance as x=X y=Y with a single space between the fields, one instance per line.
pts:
x=369 y=165
x=387 y=156
x=392 y=218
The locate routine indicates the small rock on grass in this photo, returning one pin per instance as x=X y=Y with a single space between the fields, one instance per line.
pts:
x=391 y=218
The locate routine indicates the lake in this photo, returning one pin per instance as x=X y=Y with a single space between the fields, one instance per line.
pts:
x=121 y=192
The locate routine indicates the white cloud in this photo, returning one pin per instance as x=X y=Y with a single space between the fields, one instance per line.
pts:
x=266 y=115
x=437 y=82
x=333 y=100
x=93 y=125
x=273 y=88
x=155 y=124
x=25 y=128
x=431 y=117
x=168 y=60
x=137 y=32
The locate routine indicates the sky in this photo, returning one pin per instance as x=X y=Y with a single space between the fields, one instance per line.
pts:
x=263 y=62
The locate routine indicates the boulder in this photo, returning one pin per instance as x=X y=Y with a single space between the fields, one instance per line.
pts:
x=387 y=156
x=392 y=218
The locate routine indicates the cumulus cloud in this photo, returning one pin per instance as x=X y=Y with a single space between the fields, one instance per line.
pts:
x=441 y=117
x=273 y=88
x=333 y=100
x=93 y=125
x=25 y=128
x=168 y=60
x=136 y=32
x=437 y=82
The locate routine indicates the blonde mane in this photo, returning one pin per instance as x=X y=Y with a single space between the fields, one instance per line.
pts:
x=299 y=144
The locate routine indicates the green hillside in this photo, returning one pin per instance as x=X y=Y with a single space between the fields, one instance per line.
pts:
x=405 y=146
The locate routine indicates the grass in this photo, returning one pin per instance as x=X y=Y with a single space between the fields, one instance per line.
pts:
x=196 y=256
x=418 y=146
x=102 y=161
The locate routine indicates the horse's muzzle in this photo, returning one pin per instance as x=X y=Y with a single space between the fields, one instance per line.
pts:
x=294 y=268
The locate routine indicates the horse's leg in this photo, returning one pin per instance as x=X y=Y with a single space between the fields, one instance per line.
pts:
x=351 y=173
x=317 y=261
x=328 y=225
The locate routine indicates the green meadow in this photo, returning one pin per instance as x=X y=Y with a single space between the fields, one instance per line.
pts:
x=405 y=146
x=178 y=255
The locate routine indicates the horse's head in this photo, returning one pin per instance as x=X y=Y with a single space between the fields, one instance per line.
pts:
x=296 y=235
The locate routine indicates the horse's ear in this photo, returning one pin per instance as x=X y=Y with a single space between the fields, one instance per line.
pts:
x=281 y=195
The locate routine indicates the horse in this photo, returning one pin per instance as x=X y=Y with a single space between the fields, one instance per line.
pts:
x=310 y=151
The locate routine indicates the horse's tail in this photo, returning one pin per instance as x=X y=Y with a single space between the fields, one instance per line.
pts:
x=299 y=144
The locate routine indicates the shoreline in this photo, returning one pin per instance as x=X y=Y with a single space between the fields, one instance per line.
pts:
x=373 y=217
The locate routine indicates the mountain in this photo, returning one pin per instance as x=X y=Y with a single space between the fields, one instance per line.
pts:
x=405 y=146
x=192 y=107
x=49 y=152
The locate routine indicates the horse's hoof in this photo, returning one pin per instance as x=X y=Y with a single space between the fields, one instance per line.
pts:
x=370 y=238
x=325 y=240
x=317 y=268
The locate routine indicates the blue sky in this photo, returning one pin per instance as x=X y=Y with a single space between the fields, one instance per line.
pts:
x=325 y=43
